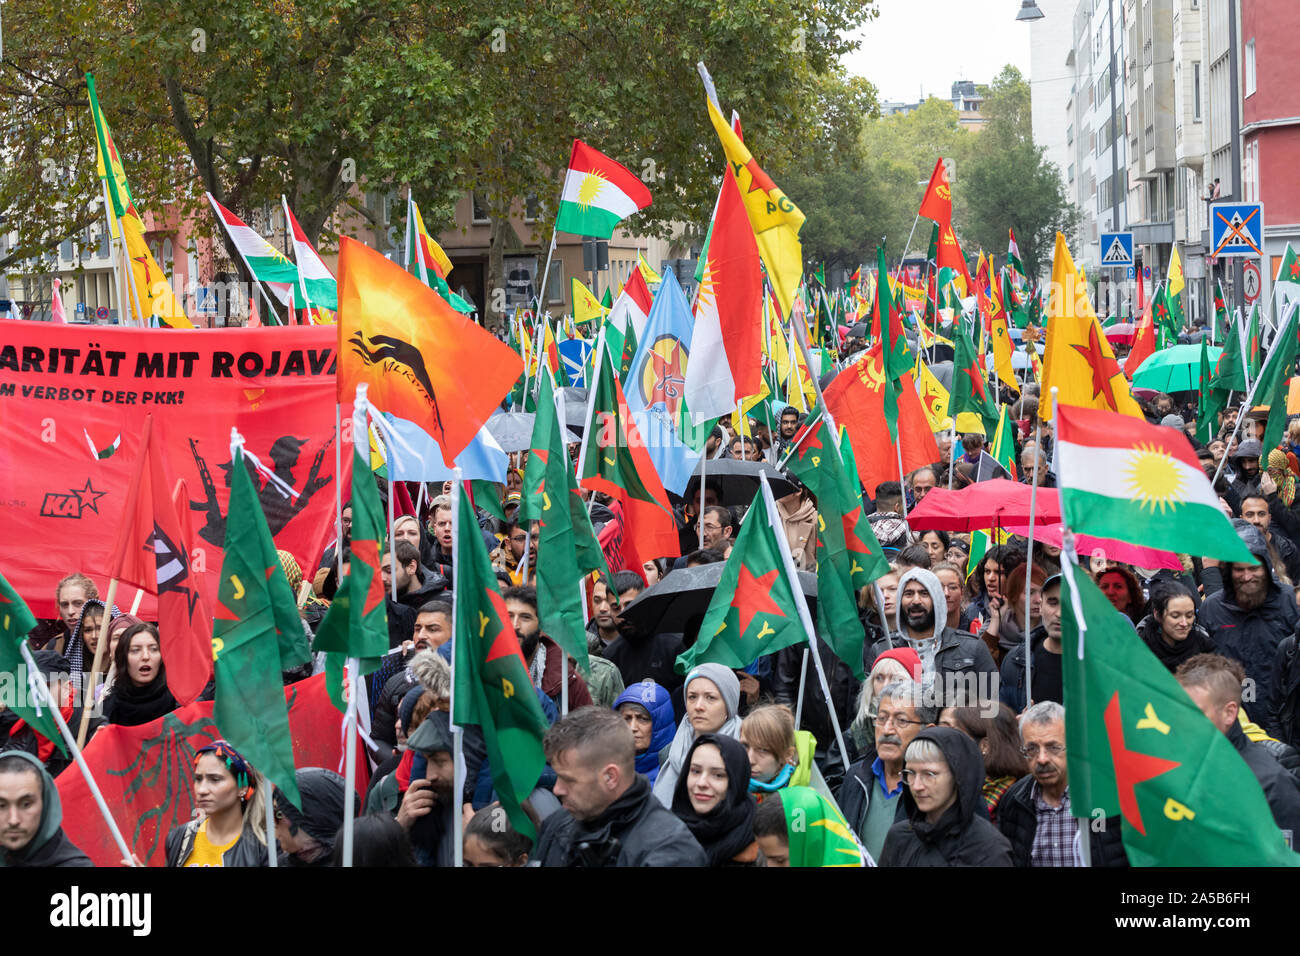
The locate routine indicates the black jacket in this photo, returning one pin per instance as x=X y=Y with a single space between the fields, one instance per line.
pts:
x=1011 y=680
x=638 y=657
x=247 y=851
x=1283 y=718
x=963 y=835
x=1197 y=642
x=1018 y=821
x=50 y=846
x=1252 y=636
x=635 y=830
x=1280 y=788
x=433 y=586
x=816 y=717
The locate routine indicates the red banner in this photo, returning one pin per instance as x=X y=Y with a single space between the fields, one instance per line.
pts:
x=73 y=401
x=146 y=773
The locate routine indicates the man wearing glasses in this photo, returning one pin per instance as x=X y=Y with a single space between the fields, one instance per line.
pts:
x=869 y=795
x=1035 y=813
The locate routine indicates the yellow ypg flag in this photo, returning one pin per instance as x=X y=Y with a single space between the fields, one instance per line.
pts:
x=108 y=166
x=1079 y=360
x=1002 y=350
x=651 y=277
x=1175 y=285
x=586 y=307
x=934 y=397
x=776 y=220
x=153 y=293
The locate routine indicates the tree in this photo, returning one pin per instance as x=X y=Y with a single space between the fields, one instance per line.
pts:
x=1007 y=182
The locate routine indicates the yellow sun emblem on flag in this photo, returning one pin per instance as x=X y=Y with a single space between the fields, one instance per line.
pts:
x=590 y=187
x=1153 y=479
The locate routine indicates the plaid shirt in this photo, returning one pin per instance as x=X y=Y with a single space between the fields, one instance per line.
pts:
x=1054 y=838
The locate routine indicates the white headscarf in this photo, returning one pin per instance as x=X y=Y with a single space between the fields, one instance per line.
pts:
x=725 y=680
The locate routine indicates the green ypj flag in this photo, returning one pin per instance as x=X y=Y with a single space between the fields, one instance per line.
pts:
x=1139 y=748
x=1230 y=371
x=493 y=690
x=1271 y=386
x=254 y=624
x=1210 y=401
x=16 y=621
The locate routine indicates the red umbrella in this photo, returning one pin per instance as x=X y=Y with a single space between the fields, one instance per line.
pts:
x=997 y=503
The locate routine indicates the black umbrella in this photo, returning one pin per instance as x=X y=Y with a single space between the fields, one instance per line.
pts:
x=575 y=407
x=859 y=331
x=739 y=480
x=670 y=605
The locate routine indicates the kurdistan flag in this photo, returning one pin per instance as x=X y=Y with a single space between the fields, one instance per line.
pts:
x=317 y=287
x=598 y=194
x=266 y=263
x=1122 y=478
x=491 y=686
x=1140 y=748
x=758 y=606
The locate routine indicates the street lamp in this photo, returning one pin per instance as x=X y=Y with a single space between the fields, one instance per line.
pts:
x=1029 y=11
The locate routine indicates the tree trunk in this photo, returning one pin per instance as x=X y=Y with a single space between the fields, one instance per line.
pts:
x=496 y=273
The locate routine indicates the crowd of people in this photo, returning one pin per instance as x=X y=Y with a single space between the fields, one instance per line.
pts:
x=952 y=751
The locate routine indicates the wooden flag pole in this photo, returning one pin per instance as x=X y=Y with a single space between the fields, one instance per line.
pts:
x=34 y=682
x=88 y=701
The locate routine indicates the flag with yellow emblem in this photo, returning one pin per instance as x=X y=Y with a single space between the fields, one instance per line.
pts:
x=1079 y=361
x=934 y=397
x=586 y=307
x=152 y=292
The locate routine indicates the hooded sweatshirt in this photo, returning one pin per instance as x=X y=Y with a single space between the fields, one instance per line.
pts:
x=946 y=651
x=1251 y=636
x=49 y=847
x=727 y=684
x=658 y=703
x=321 y=816
x=963 y=835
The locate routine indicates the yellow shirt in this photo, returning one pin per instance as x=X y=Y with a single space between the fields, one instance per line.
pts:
x=205 y=852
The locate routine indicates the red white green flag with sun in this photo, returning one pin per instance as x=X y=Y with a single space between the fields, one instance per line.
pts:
x=758 y=607
x=598 y=194
x=1122 y=478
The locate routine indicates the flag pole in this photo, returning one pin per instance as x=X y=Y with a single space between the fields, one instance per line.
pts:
x=34 y=682
x=1241 y=413
x=1029 y=561
x=803 y=677
x=796 y=588
x=952 y=451
x=338 y=490
x=457 y=738
x=350 y=759
x=902 y=482
x=88 y=700
x=271 y=860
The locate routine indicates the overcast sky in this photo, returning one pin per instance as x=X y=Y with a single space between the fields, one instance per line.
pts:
x=917 y=45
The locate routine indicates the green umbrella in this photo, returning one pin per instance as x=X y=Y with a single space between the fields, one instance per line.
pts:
x=1175 y=369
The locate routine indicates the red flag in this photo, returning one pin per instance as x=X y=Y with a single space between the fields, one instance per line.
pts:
x=184 y=621
x=949 y=255
x=937 y=204
x=856 y=400
x=1144 y=343
x=132 y=560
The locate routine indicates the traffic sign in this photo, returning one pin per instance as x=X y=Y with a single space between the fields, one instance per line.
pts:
x=102 y=313
x=1237 y=229
x=81 y=307
x=1116 y=250
x=1250 y=281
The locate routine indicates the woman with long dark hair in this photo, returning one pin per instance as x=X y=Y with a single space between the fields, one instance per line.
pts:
x=139 y=692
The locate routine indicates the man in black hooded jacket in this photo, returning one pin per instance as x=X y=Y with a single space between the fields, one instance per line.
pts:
x=31 y=816
x=947 y=820
x=1250 y=617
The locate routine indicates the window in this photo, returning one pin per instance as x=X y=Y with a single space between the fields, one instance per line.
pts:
x=1069 y=134
x=1250 y=67
x=532 y=208
x=65 y=250
x=1196 y=92
x=478 y=212
x=1071 y=173
x=166 y=262
x=555 y=286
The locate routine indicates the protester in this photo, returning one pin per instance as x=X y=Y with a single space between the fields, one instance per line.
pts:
x=1170 y=630
x=428 y=805
x=998 y=739
x=798 y=514
x=947 y=822
x=936 y=542
x=416 y=585
x=798 y=827
x=80 y=647
x=988 y=581
x=377 y=840
x=306 y=836
x=1283 y=554
x=712 y=696
x=640 y=656
x=607 y=600
x=610 y=816
x=1005 y=630
x=872 y=787
x=895 y=664
x=921 y=483
x=1124 y=590
x=542 y=655
x=231 y=798
x=719 y=528
x=779 y=755
x=712 y=799
x=16 y=734
x=1214 y=683
x=492 y=841
x=1045 y=642
x=1034 y=813
x=70 y=596
x=31 y=816
x=140 y=693
x=648 y=710
x=950 y=577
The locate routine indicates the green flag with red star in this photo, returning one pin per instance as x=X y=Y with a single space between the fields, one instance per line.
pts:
x=16 y=621
x=758 y=606
x=566 y=543
x=1220 y=312
x=1230 y=370
x=887 y=328
x=256 y=634
x=491 y=687
x=1139 y=748
x=1271 y=384
x=848 y=555
x=356 y=624
x=970 y=388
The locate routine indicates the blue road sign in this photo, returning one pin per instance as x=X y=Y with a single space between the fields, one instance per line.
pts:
x=1116 y=250
x=1237 y=229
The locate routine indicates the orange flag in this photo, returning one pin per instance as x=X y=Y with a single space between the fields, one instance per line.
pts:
x=937 y=204
x=1144 y=343
x=424 y=361
x=857 y=401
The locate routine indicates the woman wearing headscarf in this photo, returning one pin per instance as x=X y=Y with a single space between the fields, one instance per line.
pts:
x=80 y=650
x=820 y=838
x=712 y=695
x=648 y=710
x=231 y=828
x=712 y=799
x=897 y=663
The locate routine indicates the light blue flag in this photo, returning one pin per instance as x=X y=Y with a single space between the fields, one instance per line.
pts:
x=414 y=455
x=573 y=353
x=656 y=385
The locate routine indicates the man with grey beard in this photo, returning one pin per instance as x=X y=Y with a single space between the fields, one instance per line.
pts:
x=868 y=797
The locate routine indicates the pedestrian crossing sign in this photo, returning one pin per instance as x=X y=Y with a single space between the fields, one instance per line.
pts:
x=1116 y=250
